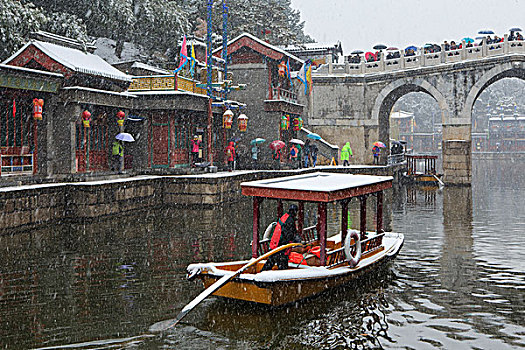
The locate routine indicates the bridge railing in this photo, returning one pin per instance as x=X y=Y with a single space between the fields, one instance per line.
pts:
x=427 y=59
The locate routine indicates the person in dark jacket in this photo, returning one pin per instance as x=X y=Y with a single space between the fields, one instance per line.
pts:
x=313 y=154
x=284 y=233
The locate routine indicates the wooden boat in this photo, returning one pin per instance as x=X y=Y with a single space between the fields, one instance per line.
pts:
x=342 y=256
x=426 y=175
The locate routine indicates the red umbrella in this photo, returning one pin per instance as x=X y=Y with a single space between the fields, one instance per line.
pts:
x=277 y=144
x=370 y=54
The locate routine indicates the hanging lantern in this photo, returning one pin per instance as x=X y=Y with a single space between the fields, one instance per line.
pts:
x=38 y=105
x=287 y=121
x=120 y=118
x=243 y=122
x=86 y=118
x=227 y=119
x=297 y=123
x=282 y=69
x=284 y=123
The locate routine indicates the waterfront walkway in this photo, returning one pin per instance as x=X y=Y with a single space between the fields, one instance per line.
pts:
x=33 y=204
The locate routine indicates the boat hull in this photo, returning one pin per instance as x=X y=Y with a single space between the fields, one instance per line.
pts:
x=279 y=287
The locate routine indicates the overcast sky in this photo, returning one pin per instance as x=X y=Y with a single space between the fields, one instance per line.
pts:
x=360 y=24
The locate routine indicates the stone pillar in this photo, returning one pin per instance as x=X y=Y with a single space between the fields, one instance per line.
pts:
x=421 y=57
x=330 y=64
x=457 y=162
x=64 y=131
x=506 y=43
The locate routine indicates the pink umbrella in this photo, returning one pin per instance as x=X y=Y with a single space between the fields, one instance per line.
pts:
x=277 y=144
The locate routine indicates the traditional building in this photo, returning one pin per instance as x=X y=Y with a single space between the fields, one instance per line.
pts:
x=270 y=95
x=83 y=96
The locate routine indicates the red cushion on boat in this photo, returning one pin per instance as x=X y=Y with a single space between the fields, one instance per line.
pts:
x=316 y=251
x=297 y=258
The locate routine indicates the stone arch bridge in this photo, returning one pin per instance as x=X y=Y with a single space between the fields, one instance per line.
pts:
x=352 y=102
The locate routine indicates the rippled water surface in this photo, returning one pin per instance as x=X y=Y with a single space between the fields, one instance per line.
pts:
x=458 y=283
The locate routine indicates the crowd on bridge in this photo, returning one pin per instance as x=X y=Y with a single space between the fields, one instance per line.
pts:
x=451 y=48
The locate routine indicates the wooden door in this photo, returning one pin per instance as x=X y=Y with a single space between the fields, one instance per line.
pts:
x=160 y=145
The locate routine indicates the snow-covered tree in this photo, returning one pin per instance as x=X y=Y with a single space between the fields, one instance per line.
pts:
x=17 y=21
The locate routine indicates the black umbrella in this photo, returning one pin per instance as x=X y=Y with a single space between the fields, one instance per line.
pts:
x=379 y=47
x=356 y=52
x=485 y=32
x=515 y=29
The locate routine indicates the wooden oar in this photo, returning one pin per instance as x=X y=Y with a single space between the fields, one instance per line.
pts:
x=439 y=180
x=222 y=281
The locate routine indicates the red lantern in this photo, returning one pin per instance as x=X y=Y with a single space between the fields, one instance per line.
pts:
x=243 y=122
x=227 y=119
x=120 y=118
x=38 y=107
x=297 y=123
x=86 y=118
x=282 y=69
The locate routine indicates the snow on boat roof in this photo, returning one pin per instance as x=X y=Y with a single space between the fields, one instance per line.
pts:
x=317 y=187
x=76 y=60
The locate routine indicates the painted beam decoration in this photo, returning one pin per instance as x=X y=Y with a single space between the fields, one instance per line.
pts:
x=24 y=83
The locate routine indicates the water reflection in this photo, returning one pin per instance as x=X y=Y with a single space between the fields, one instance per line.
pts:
x=458 y=282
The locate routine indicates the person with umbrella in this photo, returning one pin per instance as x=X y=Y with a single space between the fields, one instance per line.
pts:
x=306 y=153
x=294 y=153
x=117 y=152
x=376 y=151
x=313 y=153
x=255 y=155
x=230 y=155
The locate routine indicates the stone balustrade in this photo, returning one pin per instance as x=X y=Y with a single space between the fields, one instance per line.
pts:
x=422 y=59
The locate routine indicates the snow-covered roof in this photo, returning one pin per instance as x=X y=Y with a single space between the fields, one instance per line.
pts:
x=306 y=47
x=317 y=187
x=29 y=70
x=264 y=43
x=145 y=66
x=82 y=88
x=76 y=60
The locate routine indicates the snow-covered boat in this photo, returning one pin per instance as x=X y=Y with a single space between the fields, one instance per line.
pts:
x=335 y=260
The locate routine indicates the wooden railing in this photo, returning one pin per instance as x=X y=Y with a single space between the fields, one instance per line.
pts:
x=165 y=82
x=283 y=95
x=368 y=246
x=16 y=164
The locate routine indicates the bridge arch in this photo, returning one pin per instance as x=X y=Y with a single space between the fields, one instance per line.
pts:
x=502 y=71
x=393 y=92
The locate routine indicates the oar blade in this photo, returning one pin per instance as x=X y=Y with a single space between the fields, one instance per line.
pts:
x=164 y=325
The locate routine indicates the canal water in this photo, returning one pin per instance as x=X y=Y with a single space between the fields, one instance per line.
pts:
x=458 y=283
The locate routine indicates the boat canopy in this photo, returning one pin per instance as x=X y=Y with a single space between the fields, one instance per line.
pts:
x=317 y=187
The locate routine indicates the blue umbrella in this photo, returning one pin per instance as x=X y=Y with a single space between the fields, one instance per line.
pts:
x=428 y=45
x=313 y=136
x=411 y=48
x=468 y=40
x=485 y=32
x=257 y=141
x=515 y=29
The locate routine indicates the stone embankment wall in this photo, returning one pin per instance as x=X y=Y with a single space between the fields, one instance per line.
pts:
x=24 y=207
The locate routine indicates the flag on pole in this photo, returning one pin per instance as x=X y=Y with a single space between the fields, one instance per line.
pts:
x=309 y=82
x=301 y=75
x=183 y=56
x=193 y=61
x=288 y=72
